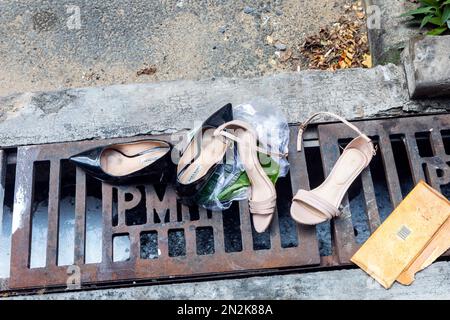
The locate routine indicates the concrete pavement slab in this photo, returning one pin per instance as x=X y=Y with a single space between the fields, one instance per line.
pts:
x=129 y=110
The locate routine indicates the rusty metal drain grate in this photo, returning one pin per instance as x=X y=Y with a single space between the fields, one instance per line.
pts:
x=410 y=150
x=63 y=218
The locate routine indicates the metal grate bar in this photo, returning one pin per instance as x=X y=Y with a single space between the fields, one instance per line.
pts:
x=53 y=213
x=437 y=162
x=246 y=228
x=306 y=235
x=80 y=216
x=191 y=246
x=373 y=215
x=107 y=247
x=219 y=245
x=343 y=233
x=437 y=142
x=385 y=148
x=414 y=158
x=21 y=224
x=275 y=239
x=135 y=244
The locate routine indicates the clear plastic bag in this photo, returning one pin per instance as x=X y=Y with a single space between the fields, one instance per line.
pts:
x=230 y=182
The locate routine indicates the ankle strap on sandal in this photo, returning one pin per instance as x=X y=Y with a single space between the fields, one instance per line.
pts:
x=304 y=124
x=240 y=124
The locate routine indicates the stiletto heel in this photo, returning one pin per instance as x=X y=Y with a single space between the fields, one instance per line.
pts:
x=262 y=201
x=322 y=203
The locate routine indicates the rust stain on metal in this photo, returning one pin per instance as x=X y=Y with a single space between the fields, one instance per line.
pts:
x=173 y=216
x=136 y=268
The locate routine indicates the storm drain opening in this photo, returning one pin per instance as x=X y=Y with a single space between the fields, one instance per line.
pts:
x=177 y=243
x=261 y=241
x=288 y=228
x=149 y=245
x=401 y=163
x=446 y=140
x=122 y=234
x=204 y=240
x=92 y=249
x=121 y=247
x=66 y=227
x=39 y=214
x=423 y=141
x=232 y=229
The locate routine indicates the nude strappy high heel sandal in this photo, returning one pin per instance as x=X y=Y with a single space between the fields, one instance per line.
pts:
x=262 y=201
x=322 y=203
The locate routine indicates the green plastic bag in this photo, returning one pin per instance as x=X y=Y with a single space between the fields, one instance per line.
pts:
x=237 y=186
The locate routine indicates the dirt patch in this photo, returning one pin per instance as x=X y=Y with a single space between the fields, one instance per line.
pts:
x=340 y=45
x=52 y=102
x=44 y=20
x=187 y=40
x=147 y=71
x=8 y=106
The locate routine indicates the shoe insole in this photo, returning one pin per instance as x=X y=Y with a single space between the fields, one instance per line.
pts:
x=261 y=186
x=123 y=159
x=212 y=151
x=347 y=168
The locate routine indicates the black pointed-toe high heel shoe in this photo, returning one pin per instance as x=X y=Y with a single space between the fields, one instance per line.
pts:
x=146 y=161
x=202 y=157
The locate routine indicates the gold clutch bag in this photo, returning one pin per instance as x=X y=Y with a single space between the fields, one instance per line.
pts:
x=415 y=234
